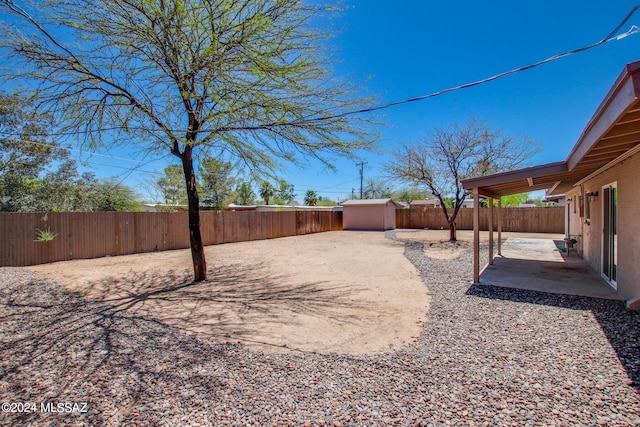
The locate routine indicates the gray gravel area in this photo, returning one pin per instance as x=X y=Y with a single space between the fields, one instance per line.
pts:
x=486 y=357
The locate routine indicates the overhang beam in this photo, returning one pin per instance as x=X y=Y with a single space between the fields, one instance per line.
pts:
x=486 y=193
x=521 y=174
x=554 y=187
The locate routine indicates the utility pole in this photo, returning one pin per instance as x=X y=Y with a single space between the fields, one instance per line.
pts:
x=361 y=175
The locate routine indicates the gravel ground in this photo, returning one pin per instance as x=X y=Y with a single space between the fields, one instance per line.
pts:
x=486 y=357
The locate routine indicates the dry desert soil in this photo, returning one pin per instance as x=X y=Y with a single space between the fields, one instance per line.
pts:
x=350 y=292
x=344 y=292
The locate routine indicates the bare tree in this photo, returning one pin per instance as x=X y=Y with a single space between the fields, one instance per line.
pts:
x=447 y=156
x=376 y=188
x=245 y=78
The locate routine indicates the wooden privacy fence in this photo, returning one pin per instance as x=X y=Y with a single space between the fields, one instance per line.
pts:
x=527 y=220
x=97 y=234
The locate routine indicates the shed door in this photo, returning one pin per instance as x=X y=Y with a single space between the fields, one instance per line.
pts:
x=389 y=216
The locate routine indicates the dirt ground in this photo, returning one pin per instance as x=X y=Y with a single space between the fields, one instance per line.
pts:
x=345 y=292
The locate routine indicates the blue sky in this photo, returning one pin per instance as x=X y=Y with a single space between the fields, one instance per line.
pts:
x=410 y=48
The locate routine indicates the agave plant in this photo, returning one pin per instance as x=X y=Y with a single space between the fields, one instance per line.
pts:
x=45 y=235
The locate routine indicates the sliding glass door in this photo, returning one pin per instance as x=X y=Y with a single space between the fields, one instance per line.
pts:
x=610 y=233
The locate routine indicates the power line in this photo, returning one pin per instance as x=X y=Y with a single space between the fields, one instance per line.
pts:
x=129 y=170
x=610 y=37
x=338 y=185
x=90 y=153
x=135 y=169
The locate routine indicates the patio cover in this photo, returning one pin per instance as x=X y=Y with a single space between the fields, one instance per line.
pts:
x=612 y=135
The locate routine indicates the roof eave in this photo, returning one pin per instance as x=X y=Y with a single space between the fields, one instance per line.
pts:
x=531 y=172
x=621 y=97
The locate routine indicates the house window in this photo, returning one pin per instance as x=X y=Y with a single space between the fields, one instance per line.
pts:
x=581 y=205
x=587 y=210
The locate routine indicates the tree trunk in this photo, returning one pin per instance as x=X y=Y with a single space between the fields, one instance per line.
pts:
x=195 y=238
x=451 y=220
x=452 y=231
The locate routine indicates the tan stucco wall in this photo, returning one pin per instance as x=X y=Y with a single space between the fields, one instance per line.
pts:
x=369 y=217
x=627 y=176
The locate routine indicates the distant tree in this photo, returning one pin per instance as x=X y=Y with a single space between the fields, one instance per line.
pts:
x=111 y=195
x=533 y=201
x=409 y=194
x=285 y=192
x=513 y=200
x=26 y=155
x=266 y=191
x=310 y=198
x=325 y=201
x=150 y=188
x=52 y=190
x=447 y=156
x=63 y=190
x=217 y=182
x=244 y=194
x=25 y=147
x=19 y=193
x=278 y=193
x=171 y=185
x=376 y=188
x=250 y=77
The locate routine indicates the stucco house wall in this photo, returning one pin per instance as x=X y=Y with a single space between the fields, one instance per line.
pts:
x=627 y=177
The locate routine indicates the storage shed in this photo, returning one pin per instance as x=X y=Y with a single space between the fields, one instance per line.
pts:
x=369 y=214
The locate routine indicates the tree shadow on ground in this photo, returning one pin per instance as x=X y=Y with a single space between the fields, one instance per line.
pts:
x=59 y=346
x=229 y=303
x=620 y=325
x=229 y=306
x=55 y=341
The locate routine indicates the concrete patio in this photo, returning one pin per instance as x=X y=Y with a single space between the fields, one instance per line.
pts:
x=538 y=265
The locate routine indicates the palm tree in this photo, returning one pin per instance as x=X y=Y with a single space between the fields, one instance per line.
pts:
x=310 y=198
x=266 y=191
x=244 y=194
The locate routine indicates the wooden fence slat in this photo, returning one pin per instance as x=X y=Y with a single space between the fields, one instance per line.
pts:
x=96 y=234
x=527 y=220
